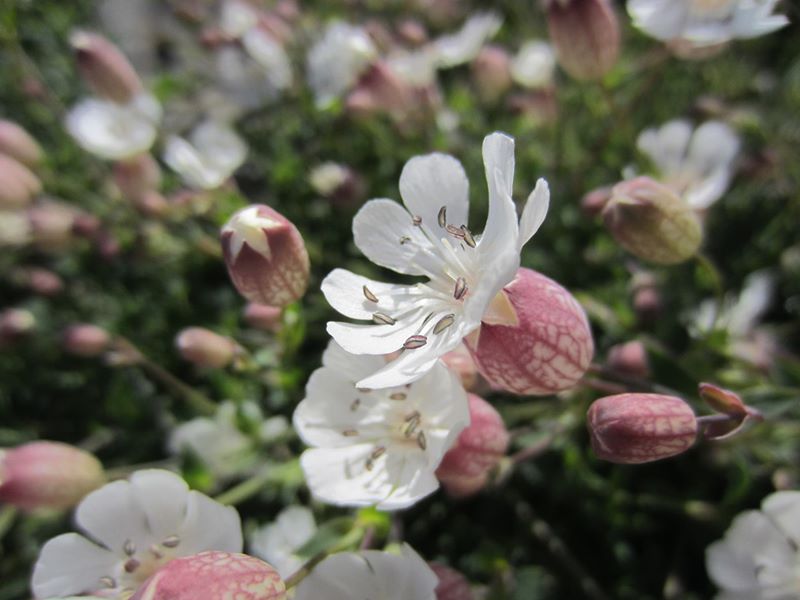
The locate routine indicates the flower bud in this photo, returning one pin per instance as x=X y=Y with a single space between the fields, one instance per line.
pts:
x=491 y=72
x=547 y=351
x=18 y=144
x=343 y=186
x=47 y=475
x=593 y=203
x=136 y=176
x=460 y=362
x=586 y=36
x=51 y=224
x=213 y=575
x=452 y=584
x=205 y=348
x=260 y=316
x=380 y=90
x=465 y=468
x=647 y=303
x=650 y=221
x=18 y=185
x=639 y=428
x=104 y=68
x=39 y=281
x=85 y=340
x=265 y=255
x=629 y=359
x=729 y=404
x=14 y=324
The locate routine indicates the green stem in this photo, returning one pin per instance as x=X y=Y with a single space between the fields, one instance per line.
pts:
x=251 y=486
x=7 y=515
x=719 y=290
x=350 y=539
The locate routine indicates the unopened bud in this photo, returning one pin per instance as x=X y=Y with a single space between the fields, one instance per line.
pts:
x=265 y=255
x=136 y=176
x=629 y=359
x=549 y=347
x=18 y=144
x=491 y=72
x=465 y=468
x=104 y=68
x=260 y=316
x=47 y=475
x=452 y=584
x=14 y=324
x=40 y=281
x=586 y=36
x=213 y=575
x=85 y=340
x=205 y=348
x=18 y=185
x=343 y=186
x=51 y=224
x=650 y=221
x=639 y=428
x=152 y=204
x=647 y=303
x=380 y=90
x=460 y=362
x=593 y=203
x=729 y=405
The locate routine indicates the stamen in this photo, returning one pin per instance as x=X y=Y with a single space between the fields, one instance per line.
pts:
x=355 y=404
x=421 y=441
x=416 y=221
x=412 y=422
x=426 y=319
x=397 y=396
x=442 y=217
x=350 y=432
x=156 y=552
x=129 y=548
x=455 y=231
x=378 y=452
x=415 y=341
x=131 y=565
x=444 y=323
x=368 y=294
x=364 y=390
x=460 y=289
x=383 y=319
x=412 y=416
x=468 y=237
x=171 y=542
x=108 y=582
x=404 y=239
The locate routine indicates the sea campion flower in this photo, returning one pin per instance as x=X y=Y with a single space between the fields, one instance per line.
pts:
x=534 y=65
x=134 y=528
x=19 y=144
x=758 y=558
x=430 y=237
x=698 y=164
x=278 y=542
x=376 y=446
x=462 y=46
x=211 y=154
x=370 y=574
x=104 y=68
x=703 y=23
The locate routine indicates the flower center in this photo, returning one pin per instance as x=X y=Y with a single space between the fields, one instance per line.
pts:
x=141 y=563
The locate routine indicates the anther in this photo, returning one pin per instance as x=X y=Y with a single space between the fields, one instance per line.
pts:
x=364 y=390
x=157 y=554
x=442 y=216
x=383 y=319
x=349 y=432
x=416 y=220
x=444 y=323
x=455 y=231
x=108 y=582
x=171 y=542
x=427 y=318
x=397 y=396
x=468 y=237
x=355 y=404
x=421 y=441
x=404 y=239
x=131 y=565
x=460 y=289
x=415 y=341
x=378 y=452
x=129 y=548
x=368 y=294
x=412 y=416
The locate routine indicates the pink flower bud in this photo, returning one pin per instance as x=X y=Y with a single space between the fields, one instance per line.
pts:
x=491 y=72
x=729 y=404
x=460 y=362
x=47 y=475
x=205 y=348
x=265 y=255
x=338 y=182
x=412 y=32
x=213 y=575
x=629 y=359
x=547 y=351
x=647 y=303
x=14 y=324
x=18 y=185
x=104 y=68
x=136 y=176
x=152 y=204
x=639 y=428
x=40 y=281
x=452 y=584
x=85 y=340
x=465 y=468
x=380 y=90
x=593 y=203
x=260 y=316
x=51 y=224
x=18 y=144
x=586 y=36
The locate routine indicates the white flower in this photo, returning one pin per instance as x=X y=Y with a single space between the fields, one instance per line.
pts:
x=115 y=131
x=464 y=45
x=337 y=59
x=702 y=23
x=758 y=559
x=270 y=55
x=277 y=542
x=534 y=65
x=376 y=447
x=212 y=153
x=237 y=17
x=429 y=237
x=698 y=164
x=134 y=527
x=327 y=177
x=370 y=574
x=415 y=67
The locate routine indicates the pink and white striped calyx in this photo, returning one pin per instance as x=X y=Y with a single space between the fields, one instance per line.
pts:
x=429 y=237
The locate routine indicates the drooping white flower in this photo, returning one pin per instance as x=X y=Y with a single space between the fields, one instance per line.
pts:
x=278 y=542
x=132 y=528
x=210 y=155
x=462 y=46
x=430 y=237
x=534 y=64
x=115 y=131
x=381 y=446
x=370 y=574
x=337 y=59
x=697 y=163
x=758 y=559
x=704 y=23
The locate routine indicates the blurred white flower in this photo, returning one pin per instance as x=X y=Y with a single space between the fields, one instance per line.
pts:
x=15 y=228
x=429 y=237
x=133 y=528
x=415 y=67
x=115 y=131
x=270 y=55
x=697 y=163
x=328 y=176
x=237 y=17
x=336 y=61
x=370 y=574
x=211 y=155
x=277 y=542
x=704 y=23
x=376 y=447
x=534 y=64
x=461 y=47
x=758 y=559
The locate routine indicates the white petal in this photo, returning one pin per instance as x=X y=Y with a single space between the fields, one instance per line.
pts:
x=70 y=564
x=784 y=510
x=112 y=131
x=374 y=339
x=184 y=159
x=498 y=160
x=534 y=213
x=731 y=569
x=341 y=576
x=534 y=64
x=350 y=366
x=213 y=153
x=162 y=497
x=464 y=45
x=270 y=55
x=209 y=526
x=236 y=17
x=344 y=291
x=713 y=145
x=666 y=146
x=702 y=194
x=662 y=19
x=112 y=516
